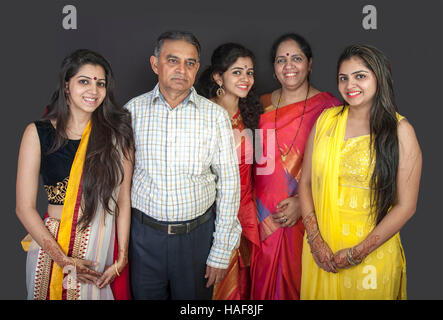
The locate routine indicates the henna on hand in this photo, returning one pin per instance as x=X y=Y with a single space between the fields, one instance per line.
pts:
x=340 y=259
x=362 y=250
x=322 y=254
x=51 y=247
x=310 y=223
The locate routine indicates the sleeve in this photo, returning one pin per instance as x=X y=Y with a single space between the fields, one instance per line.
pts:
x=225 y=167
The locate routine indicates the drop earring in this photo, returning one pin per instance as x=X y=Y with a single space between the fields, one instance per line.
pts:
x=220 y=91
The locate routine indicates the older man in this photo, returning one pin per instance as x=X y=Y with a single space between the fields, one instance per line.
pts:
x=185 y=184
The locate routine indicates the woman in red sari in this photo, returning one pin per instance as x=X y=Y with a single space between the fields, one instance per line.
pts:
x=229 y=82
x=289 y=114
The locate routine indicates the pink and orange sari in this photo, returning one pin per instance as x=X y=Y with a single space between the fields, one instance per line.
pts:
x=45 y=279
x=276 y=264
x=236 y=284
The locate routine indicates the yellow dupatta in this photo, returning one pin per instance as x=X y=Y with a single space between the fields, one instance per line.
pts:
x=382 y=275
x=329 y=136
x=65 y=230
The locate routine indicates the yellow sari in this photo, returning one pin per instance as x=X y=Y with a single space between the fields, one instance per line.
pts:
x=341 y=172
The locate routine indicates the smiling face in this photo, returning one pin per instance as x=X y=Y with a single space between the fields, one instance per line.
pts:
x=291 y=66
x=357 y=83
x=176 y=66
x=238 y=79
x=86 y=90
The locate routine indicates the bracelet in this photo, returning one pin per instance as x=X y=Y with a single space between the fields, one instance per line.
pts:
x=75 y=263
x=350 y=257
x=115 y=268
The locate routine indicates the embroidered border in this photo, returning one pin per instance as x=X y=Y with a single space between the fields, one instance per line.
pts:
x=44 y=263
x=79 y=252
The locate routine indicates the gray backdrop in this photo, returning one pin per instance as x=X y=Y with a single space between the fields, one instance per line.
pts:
x=34 y=42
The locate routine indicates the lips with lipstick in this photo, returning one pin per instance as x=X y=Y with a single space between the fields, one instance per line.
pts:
x=353 y=94
x=243 y=86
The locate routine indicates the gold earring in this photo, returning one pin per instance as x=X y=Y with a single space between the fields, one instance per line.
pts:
x=220 y=91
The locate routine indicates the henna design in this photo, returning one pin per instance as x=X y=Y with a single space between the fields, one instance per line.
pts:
x=310 y=223
x=340 y=259
x=55 y=252
x=362 y=250
x=322 y=254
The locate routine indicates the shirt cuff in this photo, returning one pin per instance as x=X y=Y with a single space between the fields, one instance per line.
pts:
x=219 y=258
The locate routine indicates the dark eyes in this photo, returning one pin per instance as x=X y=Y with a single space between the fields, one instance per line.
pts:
x=86 y=82
x=283 y=60
x=238 y=73
x=190 y=64
x=359 y=76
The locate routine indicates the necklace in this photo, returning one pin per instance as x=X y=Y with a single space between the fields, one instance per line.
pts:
x=284 y=156
x=235 y=119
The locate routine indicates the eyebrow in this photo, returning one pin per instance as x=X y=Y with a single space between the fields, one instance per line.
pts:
x=175 y=57
x=89 y=78
x=343 y=74
x=294 y=55
x=241 y=68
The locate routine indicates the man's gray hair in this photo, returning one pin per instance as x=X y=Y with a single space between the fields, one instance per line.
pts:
x=176 y=35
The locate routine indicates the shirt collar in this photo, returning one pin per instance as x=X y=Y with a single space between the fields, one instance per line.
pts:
x=191 y=98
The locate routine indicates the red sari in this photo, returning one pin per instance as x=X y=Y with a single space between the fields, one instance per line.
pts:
x=276 y=264
x=236 y=284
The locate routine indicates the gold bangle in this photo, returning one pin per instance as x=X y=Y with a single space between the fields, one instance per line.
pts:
x=75 y=263
x=115 y=268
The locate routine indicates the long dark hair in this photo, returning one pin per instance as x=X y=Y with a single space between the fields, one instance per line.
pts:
x=222 y=58
x=111 y=136
x=383 y=128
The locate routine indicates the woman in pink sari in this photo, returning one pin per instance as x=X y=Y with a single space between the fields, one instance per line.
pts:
x=289 y=114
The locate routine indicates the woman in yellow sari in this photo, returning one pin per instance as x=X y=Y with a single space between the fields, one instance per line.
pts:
x=82 y=149
x=359 y=186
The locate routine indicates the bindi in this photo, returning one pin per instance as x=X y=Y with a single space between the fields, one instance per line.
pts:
x=95 y=78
